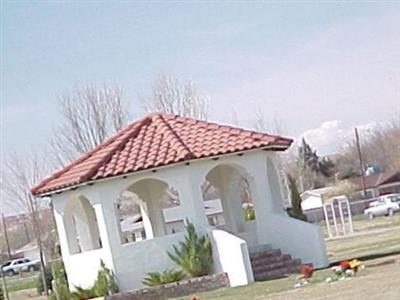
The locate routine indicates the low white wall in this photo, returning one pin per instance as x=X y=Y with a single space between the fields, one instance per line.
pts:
x=230 y=255
x=297 y=238
x=134 y=260
x=82 y=268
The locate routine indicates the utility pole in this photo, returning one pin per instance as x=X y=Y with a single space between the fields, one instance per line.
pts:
x=6 y=236
x=9 y=257
x=7 y=297
x=361 y=161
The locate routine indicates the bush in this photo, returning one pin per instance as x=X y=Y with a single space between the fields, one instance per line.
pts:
x=1 y=293
x=168 y=276
x=105 y=284
x=83 y=294
x=194 y=255
x=49 y=277
x=295 y=211
x=61 y=282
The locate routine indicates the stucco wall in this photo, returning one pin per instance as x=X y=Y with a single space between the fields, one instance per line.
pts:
x=131 y=262
x=231 y=256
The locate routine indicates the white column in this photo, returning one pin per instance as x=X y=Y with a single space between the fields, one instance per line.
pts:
x=68 y=244
x=152 y=193
x=105 y=215
x=227 y=181
x=148 y=228
x=189 y=187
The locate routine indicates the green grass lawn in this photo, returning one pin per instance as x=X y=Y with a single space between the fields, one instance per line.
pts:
x=368 y=244
x=22 y=286
x=362 y=224
x=258 y=290
x=377 y=240
x=318 y=288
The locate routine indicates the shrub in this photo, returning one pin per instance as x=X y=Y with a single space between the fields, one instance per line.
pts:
x=39 y=283
x=61 y=282
x=168 y=276
x=84 y=294
x=194 y=255
x=249 y=213
x=295 y=211
x=105 y=284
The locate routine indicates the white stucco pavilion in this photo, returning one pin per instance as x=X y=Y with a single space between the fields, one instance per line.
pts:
x=85 y=197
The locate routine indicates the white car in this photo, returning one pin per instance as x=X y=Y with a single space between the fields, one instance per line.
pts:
x=16 y=266
x=385 y=205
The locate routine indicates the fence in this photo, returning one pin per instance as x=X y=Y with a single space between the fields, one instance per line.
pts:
x=356 y=207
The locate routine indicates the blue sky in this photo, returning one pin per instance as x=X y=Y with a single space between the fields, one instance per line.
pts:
x=304 y=63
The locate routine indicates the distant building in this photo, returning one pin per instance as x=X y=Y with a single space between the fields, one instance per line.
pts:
x=30 y=250
x=133 y=229
x=378 y=184
x=312 y=199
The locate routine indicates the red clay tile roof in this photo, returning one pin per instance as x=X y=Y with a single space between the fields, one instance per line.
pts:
x=158 y=140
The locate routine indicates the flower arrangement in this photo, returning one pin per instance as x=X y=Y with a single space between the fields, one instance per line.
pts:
x=345 y=269
x=306 y=272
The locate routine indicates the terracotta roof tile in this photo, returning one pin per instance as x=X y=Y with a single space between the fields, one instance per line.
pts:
x=157 y=140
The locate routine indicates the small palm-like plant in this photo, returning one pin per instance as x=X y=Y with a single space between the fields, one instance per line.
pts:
x=168 y=276
x=194 y=255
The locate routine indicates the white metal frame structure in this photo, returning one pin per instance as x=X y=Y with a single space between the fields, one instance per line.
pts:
x=338 y=225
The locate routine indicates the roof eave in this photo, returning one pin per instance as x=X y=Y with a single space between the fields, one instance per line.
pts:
x=89 y=182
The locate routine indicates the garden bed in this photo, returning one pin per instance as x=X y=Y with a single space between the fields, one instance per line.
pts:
x=176 y=289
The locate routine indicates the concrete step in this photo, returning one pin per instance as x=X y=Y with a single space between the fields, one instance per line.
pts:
x=276 y=265
x=271 y=264
x=259 y=248
x=270 y=260
x=265 y=254
x=277 y=273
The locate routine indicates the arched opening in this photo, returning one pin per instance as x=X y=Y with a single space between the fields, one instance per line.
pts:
x=228 y=190
x=147 y=209
x=81 y=226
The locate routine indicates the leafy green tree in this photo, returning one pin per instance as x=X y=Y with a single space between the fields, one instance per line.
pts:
x=194 y=255
x=311 y=165
x=295 y=211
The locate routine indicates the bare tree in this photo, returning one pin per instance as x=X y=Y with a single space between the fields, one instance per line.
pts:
x=169 y=96
x=260 y=123
x=18 y=176
x=90 y=114
x=379 y=146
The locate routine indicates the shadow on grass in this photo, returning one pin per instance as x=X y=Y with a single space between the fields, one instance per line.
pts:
x=369 y=257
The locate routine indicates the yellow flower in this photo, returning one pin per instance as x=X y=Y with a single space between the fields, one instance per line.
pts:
x=355 y=263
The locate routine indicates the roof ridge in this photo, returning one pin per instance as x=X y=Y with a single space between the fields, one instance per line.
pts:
x=185 y=138
x=189 y=154
x=87 y=155
x=137 y=127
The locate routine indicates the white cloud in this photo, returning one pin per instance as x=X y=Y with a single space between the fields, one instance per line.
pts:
x=324 y=135
x=330 y=136
x=348 y=72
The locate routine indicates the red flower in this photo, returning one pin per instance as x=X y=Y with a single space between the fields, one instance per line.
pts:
x=307 y=271
x=345 y=265
x=195 y=298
